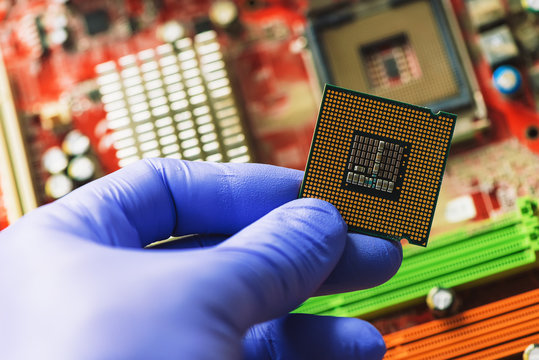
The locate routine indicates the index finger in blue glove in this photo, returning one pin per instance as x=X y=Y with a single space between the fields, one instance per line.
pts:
x=366 y=261
x=154 y=199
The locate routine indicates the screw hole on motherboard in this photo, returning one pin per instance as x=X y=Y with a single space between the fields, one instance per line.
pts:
x=532 y=133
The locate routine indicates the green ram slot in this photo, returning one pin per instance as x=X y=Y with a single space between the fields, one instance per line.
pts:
x=452 y=238
x=452 y=256
x=457 y=257
x=480 y=245
x=524 y=214
x=478 y=251
x=371 y=305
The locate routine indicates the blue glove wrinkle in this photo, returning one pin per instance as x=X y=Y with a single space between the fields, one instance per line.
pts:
x=162 y=175
x=162 y=197
x=259 y=344
x=232 y=196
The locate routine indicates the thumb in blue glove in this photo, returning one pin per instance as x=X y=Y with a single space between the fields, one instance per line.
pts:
x=76 y=284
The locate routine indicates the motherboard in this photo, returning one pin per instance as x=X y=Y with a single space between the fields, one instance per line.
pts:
x=87 y=87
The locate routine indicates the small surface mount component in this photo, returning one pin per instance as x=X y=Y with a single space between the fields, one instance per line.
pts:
x=380 y=162
x=498 y=45
x=442 y=302
x=485 y=12
x=531 y=352
x=97 y=21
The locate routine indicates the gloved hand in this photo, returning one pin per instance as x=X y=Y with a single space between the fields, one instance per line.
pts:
x=76 y=284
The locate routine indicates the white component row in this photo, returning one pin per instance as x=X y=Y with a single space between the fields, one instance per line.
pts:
x=220 y=91
x=173 y=102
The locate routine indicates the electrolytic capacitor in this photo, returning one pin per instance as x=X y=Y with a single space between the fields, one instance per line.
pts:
x=81 y=169
x=54 y=160
x=442 y=301
x=76 y=143
x=531 y=5
x=225 y=15
x=58 y=185
x=507 y=80
x=531 y=352
x=171 y=31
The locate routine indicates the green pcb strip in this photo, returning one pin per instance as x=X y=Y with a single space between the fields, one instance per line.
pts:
x=477 y=253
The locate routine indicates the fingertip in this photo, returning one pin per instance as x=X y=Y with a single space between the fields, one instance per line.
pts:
x=369 y=343
x=394 y=254
x=303 y=336
x=359 y=339
x=375 y=259
x=388 y=253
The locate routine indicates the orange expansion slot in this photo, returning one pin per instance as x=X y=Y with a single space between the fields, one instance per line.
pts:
x=471 y=331
x=504 y=350
x=441 y=351
x=465 y=318
x=472 y=338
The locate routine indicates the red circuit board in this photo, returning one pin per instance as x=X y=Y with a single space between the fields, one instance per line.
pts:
x=511 y=117
x=278 y=89
x=269 y=68
x=3 y=213
x=501 y=161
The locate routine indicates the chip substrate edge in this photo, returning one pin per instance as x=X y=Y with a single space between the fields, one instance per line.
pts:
x=339 y=193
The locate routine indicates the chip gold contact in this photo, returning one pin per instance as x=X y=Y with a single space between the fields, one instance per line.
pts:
x=380 y=162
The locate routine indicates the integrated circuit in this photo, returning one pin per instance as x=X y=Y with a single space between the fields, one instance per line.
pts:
x=380 y=162
x=97 y=21
x=408 y=50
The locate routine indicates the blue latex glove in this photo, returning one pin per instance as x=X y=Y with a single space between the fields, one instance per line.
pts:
x=75 y=283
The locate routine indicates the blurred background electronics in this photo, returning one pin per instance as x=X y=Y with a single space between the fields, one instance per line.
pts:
x=87 y=87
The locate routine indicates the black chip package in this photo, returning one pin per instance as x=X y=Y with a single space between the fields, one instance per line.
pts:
x=379 y=162
x=97 y=21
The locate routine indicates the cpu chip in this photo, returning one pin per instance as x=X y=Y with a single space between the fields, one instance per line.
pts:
x=379 y=162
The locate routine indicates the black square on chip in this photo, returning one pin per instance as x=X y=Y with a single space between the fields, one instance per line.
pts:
x=383 y=174
x=97 y=21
